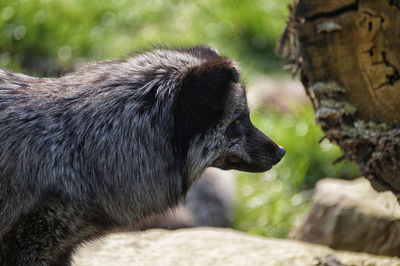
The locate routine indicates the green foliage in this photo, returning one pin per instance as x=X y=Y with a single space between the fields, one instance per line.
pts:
x=38 y=32
x=269 y=203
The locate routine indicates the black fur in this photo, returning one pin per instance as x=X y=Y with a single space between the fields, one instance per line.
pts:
x=194 y=117
x=101 y=149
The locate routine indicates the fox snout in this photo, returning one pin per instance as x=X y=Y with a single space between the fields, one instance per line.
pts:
x=250 y=150
x=263 y=152
x=275 y=152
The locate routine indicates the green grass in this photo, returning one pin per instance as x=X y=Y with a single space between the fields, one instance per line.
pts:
x=66 y=31
x=269 y=203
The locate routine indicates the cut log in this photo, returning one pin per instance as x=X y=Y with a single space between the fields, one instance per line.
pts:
x=348 y=52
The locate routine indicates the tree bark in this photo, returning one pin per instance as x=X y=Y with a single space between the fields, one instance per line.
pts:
x=348 y=52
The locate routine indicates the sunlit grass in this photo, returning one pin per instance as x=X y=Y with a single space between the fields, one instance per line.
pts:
x=269 y=203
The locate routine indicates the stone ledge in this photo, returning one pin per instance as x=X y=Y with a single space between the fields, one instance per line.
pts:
x=210 y=246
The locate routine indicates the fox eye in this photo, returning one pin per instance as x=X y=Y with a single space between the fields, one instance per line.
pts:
x=236 y=128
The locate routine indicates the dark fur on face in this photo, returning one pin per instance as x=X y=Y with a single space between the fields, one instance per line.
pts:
x=102 y=148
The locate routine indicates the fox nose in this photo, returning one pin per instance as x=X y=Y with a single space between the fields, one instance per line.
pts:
x=280 y=152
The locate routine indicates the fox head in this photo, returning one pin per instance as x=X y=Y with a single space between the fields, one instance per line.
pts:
x=212 y=117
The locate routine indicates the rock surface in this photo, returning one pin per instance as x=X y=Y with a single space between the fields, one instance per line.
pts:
x=207 y=246
x=351 y=215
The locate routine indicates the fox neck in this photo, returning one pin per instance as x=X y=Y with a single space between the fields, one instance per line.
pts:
x=200 y=155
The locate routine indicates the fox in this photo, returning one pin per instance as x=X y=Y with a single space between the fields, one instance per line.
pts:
x=101 y=149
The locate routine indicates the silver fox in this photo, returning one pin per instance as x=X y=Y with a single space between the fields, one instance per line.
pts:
x=101 y=149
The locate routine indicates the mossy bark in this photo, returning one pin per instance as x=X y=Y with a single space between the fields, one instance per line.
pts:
x=348 y=52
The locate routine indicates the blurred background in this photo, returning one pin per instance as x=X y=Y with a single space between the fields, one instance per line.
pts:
x=52 y=37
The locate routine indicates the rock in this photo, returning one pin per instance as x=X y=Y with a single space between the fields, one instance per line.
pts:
x=351 y=215
x=206 y=246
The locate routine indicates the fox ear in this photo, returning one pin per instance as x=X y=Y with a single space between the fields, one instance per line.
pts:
x=202 y=99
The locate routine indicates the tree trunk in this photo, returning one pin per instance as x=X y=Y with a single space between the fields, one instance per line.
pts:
x=348 y=52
